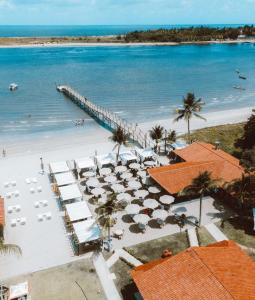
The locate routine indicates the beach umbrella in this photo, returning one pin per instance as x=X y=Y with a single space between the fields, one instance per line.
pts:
x=126 y=175
x=88 y=174
x=150 y=203
x=110 y=179
x=132 y=209
x=120 y=169
x=124 y=197
x=166 y=199
x=135 y=166
x=141 y=194
x=134 y=185
x=118 y=188
x=98 y=191
x=149 y=163
x=93 y=182
x=105 y=171
x=154 y=190
x=141 y=219
x=160 y=214
x=141 y=174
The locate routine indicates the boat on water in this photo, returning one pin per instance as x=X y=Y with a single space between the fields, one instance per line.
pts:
x=237 y=87
x=13 y=87
x=242 y=77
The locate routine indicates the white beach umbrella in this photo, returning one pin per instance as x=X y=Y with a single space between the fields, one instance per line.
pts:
x=118 y=188
x=135 y=166
x=150 y=203
x=93 y=182
x=141 y=194
x=132 y=209
x=98 y=191
x=166 y=199
x=105 y=171
x=134 y=185
x=160 y=214
x=150 y=163
x=154 y=190
x=110 y=179
x=141 y=174
x=88 y=174
x=124 y=197
x=120 y=169
x=126 y=175
x=141 y=219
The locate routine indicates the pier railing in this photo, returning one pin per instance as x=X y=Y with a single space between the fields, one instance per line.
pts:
x=107 y=118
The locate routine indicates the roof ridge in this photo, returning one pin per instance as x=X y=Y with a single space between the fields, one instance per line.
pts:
x=197 y=163
x=209 y=269
x=201 y=144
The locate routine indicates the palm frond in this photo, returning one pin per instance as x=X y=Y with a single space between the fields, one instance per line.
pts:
x=9 y=249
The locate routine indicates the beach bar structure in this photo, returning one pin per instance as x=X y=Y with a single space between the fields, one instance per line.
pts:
x=77 y=212
x=58 y=167
x=66 y=178
x=106 y=118
x=69 y=193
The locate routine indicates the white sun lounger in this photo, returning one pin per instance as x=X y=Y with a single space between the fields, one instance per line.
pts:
x=13 y=222
x=36 y=204
x=17 y=208
x=32 y=190
x=34 y=180
x=16 y=193
x=6 y=184
x=39 y=189
x=13 y=183
x=8 y=195
x=23 y=221
x=10 y=209
x=48 y=215
x=44 y=202
x=40 y=217
x=28 y=181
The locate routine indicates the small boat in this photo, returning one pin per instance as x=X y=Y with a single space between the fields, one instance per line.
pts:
x=13 y=87
x=237 y=71
x=242 y=77
x=237 y=87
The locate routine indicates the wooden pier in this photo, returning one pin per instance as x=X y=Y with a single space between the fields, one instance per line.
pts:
x=107 y=118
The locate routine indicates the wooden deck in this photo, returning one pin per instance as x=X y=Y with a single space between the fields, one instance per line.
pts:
x=106 y=118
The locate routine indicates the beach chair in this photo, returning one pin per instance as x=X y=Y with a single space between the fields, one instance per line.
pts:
x=13 y=222
x=40 y=217
x=23 y=221
x=48 y=215
x=8 y=195
x=13 y=183
x=17 y=208
x=44 y=203
x=6 y=184
x=32 y=190
x=28 y=181
x=10 y=209
x=39 y=189
x=16 y=193
x=34 y=180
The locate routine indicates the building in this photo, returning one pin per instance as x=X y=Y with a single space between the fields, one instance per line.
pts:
x=220 y=271
x=193 y=160
x=2 y=216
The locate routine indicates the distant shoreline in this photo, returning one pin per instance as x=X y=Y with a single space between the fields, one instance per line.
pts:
x=35 y=43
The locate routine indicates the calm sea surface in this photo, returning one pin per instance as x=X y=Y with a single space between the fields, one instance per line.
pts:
x=82 y=30
x=140 y=83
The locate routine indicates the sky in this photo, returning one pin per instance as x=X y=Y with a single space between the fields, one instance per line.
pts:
x=115 y=12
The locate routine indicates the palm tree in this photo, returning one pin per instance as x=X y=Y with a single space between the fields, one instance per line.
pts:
x=156 y=133
x=119 y=137
x=171 y=136
x=105 y=212
x=201 y=185
x=191 y=107
x=8 y=248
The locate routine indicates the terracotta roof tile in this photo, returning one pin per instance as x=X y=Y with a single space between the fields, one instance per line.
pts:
x=2 y=216
x=221 y=271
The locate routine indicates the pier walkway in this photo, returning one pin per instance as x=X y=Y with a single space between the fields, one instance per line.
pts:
x=107 y=118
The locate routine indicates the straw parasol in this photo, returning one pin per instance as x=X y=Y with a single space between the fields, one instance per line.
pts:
x=141 y=219
x=120 y=169
x=166 y=199
x=93 y=182
x=118 y=188
x=134 y=166
x=124 y=197
x=150 y=203
x=98 y=191
x=110 y=179
x=134 y=185
x=105 y=171
x=154 y=190
x=141 y=194
x=160 y=214
x=132 y=209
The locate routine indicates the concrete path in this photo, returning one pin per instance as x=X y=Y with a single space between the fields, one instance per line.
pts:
x=192 y=235
x=125 y=256
x=215 y=232
x=105 y=277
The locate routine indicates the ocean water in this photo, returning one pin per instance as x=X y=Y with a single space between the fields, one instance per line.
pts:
x=140 y=83
x=82 y=30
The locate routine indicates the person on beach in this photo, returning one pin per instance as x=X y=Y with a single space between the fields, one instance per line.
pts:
x=42 y=165
x=4 y=152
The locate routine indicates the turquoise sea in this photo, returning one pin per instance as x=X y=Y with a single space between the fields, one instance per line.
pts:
x=141 y=83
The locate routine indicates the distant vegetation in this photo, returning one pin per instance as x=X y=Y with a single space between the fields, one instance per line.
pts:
x=190 y=34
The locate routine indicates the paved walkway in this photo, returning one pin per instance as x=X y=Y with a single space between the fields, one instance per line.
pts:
x=105 y=277
x=215 y=232
x=192 y=235
x=124 y=255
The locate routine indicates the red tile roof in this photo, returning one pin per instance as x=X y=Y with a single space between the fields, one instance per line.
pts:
x=2 y=216
x=199 y=157
x=220 y=271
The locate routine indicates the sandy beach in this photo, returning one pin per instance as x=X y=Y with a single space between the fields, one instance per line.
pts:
x=17 y=44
